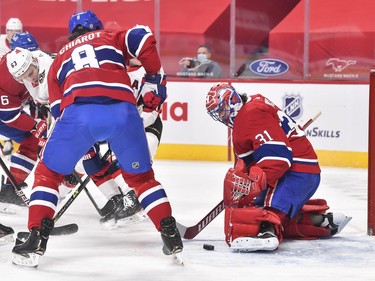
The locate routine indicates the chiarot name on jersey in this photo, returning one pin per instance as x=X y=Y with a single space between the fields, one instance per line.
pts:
x=79 y=40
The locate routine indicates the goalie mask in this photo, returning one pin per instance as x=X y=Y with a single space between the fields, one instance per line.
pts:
x=86 y=19
x=24 y=40
x=223 y=103
x=19 y=61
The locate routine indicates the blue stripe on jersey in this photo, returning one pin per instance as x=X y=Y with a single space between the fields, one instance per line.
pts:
x=248 y=159
x=102 y=55
x=134 y=39
x=44 y=196
x=22 y=162
x=154 y=196
x=55 y=109
x=270 y=149
x=8 y=115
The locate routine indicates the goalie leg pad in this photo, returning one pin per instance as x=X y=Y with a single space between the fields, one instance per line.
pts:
x=302 y=225
x=245 y=222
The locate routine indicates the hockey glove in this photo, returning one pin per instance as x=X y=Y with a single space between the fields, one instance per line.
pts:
x=43 y=111
x=153 y=91
x=41 y=144
x=70 y=180
x=39 y=129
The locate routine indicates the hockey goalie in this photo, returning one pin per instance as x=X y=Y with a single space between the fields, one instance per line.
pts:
x=267 y=195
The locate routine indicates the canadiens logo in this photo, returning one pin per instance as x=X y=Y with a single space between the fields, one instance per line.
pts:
x=293 y=105
x=41 y=77
x=339 y=65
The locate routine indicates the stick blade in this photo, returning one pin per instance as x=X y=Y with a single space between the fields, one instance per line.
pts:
x=187 y=232
x=65 y=229
x=56 y=231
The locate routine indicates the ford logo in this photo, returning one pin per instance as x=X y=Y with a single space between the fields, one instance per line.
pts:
x=269 y=67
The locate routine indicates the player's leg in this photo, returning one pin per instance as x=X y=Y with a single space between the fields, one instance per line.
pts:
x=61 y=152
x=313 y=221
x=131 y=149
x=22 y=163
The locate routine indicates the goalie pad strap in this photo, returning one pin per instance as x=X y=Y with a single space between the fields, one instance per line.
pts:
x=302 y=227
x=242 y=222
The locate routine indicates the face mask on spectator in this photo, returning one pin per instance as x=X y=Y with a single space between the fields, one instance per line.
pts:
x=202 y=57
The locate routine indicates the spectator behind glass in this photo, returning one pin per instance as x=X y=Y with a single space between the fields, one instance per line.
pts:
x=200 y=67
x=13 y=25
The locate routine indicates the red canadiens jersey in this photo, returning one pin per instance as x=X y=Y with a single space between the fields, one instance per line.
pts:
x=13 y=97
x=93 y=66
x=263 y=135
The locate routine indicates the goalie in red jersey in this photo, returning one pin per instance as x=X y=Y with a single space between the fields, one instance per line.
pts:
x=267 y=194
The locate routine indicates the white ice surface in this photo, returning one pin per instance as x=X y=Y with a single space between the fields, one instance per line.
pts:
x=194 y=188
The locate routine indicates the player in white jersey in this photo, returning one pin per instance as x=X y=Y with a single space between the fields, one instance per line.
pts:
x=12 y=26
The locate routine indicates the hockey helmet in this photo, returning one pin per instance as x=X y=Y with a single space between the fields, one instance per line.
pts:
x=223 y=103
x=14 y=24
x=86 y=19
x=24 y=40
x=19 y=61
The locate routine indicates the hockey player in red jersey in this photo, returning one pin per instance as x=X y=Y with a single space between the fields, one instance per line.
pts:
x=92 y=100
x=19 y=126
x=267 y=194
x=29 y=65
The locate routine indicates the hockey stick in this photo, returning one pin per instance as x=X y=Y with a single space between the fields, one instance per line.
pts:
x=192 y=231
x=58 y=230
x=13 y=181
x=98 y=209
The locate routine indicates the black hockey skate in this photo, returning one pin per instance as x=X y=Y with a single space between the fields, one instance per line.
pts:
x=131 y=206
x=6 y=234
x=113 y=206
x=27 y=253
x=170 y=236
x=172 y=240
x=8 y=195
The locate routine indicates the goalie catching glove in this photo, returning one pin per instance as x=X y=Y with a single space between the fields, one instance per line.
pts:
x=153 y=91
x=240 y=188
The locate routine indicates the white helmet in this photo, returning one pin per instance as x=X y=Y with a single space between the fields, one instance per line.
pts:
x=19 y=61
x=14 y=24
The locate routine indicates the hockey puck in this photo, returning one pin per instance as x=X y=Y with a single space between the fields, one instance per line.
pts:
x=208 y=247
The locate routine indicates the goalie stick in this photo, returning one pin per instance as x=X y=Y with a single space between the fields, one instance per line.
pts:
x=58 y=230
x=192 y=231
